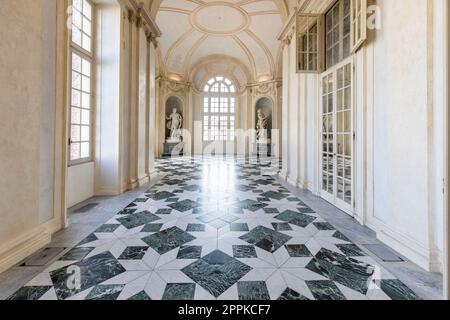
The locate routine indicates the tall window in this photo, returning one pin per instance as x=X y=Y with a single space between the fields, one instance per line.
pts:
x=81 y=106
x=337 y=29
x=308 y=43
x=219 y=110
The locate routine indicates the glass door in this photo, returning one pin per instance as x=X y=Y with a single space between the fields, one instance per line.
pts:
x=337 y=138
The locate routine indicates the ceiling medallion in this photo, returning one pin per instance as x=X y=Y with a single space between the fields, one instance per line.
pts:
x=220 y=18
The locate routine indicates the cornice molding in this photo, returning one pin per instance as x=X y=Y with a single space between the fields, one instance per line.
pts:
x=140 y=16
x=286 y=33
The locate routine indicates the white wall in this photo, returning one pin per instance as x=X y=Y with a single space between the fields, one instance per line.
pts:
x=107 y=129
x=28 y=120
x=403 y=113
x=80 y=183
x=399 y=126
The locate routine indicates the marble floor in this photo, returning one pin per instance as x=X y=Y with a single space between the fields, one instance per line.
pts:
x=223 y=228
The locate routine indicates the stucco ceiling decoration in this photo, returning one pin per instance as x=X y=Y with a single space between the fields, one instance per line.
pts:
x=220 y=18
x=244 y=30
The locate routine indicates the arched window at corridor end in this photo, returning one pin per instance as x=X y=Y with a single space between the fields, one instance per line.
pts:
x=219 y=110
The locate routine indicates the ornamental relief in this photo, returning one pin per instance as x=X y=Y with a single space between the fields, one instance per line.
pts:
x=173 y=87
x=265 y=89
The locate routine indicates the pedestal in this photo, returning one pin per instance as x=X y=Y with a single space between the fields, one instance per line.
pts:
x=175 y=149
x=263 y=149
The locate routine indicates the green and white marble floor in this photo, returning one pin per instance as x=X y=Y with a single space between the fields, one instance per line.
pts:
x=215 y=228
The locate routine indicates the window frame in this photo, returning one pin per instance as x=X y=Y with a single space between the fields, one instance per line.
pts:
x=218 y=114
x=341 y=35
x=89 y=56
x=305 y=31
x=358 y=22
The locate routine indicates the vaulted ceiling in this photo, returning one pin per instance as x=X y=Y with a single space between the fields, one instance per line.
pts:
x=239 y=33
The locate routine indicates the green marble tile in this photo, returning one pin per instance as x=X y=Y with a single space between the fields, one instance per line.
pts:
x=138 y=219
x=325 y=290
x=396 y=290
x=253 y=290
x=179 y=291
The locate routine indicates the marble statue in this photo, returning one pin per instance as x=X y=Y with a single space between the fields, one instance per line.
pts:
x=174 y=124
x=262 y=127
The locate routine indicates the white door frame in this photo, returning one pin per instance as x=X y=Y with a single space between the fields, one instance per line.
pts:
x=333 y=199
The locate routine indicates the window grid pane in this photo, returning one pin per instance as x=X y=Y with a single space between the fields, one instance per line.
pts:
x=82 y=24
x=219 y=108
x=80 y=114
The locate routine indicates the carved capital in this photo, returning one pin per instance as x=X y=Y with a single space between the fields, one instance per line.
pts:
x=148 y=36
x=132 y=18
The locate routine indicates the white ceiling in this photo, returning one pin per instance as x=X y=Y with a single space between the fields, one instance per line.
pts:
x=242 y=31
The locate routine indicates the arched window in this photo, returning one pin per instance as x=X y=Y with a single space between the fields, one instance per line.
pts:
x=219 y=110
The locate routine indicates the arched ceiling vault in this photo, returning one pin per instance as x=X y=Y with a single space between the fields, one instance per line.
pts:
x=244 y=31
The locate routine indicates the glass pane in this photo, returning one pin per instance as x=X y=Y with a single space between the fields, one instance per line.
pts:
x=347 y=98
x=347 y=121
x=325 y=104
x=340 y=166
x=85 y=117
x=76 y=18
x=75 y=116
x=346 y=47
x=330 y=184
x=86 y=84
x=86 y=42
x=331 y=143
x=76 y=80
x=325 y=182
x=86 y=26
x=340 y=188
x=78 y=4
x=324 y=85
x=75 y=151
x=76 y=98
x=348 y=192
x=85 y=150
x=85 y=100
x=76 y=62
x=75 y=133
x=331 y=164
x=348 y=169
x=340 y=100
x=340 y=144
x=348 y=75
x=325 y=143
x=330 y=123
x=76 y=36
x=86 y=68
x=340 y=78
x=87 y=9
x=325 y=124
x=330 y=103
x=340 y=122
x=85 y=133
x=348 y=145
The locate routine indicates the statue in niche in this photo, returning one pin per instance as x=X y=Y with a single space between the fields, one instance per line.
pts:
x=174 y=124
x=262 y=126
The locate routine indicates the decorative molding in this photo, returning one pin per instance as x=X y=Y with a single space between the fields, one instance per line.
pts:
x=405 y=245
x=197 y=26
x=288 y=30
x=27 y=243
x=141 y=11
x=244 y=25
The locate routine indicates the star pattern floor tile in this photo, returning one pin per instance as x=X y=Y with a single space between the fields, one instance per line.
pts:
x=215 y=228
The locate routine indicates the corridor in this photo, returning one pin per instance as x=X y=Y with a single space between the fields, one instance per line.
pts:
x=215 y=228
